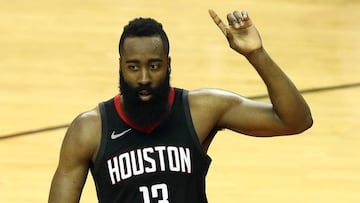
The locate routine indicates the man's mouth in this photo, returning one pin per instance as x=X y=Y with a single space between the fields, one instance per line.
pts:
x=145 y=95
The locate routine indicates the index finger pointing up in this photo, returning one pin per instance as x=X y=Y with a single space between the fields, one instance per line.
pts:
x=218 y=21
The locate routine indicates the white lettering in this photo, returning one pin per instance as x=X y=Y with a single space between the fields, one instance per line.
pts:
x=173 y=156
x=137 y=166
x=125 y=166
x=149 y=160
x=161 y=156
x=152 y=167
x=114 y=170
x=185 y=160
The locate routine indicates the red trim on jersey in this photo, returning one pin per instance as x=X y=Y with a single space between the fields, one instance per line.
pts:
x=127 y=120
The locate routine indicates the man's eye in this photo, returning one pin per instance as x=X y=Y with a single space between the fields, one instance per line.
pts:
x=154 y=66
x=133 y=67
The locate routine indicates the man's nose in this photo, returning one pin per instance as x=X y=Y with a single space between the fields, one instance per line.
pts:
x=144 y=77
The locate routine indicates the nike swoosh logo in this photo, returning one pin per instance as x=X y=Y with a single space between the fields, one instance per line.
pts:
x=115 y=136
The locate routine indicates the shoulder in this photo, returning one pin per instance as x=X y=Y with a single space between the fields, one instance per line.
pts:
x=217 y=99
x=91 y=116
x=208 y=106
x=84 y=133
x=87 y=121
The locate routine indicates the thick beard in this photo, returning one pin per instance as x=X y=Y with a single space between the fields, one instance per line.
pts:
x=145 y=113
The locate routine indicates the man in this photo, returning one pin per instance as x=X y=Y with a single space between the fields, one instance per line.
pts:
x=148 y=144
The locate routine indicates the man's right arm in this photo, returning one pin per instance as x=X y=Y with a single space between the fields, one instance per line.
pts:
x=77 y=151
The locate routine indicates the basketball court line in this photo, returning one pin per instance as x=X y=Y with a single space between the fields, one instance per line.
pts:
x=304 y=91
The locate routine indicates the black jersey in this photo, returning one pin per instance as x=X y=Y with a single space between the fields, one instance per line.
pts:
x=163 y=164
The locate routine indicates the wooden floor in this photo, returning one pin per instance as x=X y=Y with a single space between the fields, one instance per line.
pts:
x=59 y=58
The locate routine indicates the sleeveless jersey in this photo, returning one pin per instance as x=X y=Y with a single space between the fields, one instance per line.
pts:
x=166 y=164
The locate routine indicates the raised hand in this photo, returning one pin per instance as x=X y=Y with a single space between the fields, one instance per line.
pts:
x=240 y=32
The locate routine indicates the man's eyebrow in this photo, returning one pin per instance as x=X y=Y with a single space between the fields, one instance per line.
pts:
x=137 y=61
x=132 y=61
x=155 y=60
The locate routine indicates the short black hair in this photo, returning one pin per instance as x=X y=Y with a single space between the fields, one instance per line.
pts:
x=144 y=27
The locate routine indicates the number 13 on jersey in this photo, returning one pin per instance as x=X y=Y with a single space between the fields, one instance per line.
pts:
x=158 y=191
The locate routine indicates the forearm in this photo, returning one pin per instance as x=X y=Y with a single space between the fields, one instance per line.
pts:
x=64 y=189
x=288 y=103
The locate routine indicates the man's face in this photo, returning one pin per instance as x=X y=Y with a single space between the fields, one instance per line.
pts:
x=144 y=65
x=144 y=79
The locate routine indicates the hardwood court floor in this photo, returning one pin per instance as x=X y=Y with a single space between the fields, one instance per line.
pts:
x=59 y=58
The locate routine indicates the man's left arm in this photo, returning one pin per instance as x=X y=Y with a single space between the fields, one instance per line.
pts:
x=288 y=112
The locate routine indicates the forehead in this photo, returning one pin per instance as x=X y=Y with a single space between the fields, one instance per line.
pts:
x=143 y=45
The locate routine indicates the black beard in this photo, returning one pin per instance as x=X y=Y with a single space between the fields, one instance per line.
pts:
x=145 y=113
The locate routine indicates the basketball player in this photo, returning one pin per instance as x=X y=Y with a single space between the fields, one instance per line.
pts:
x=148 y=144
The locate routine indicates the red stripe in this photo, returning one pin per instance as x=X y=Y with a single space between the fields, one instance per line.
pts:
x=171 y=97
x=149 y=129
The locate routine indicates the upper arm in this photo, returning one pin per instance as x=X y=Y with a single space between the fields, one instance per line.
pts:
x=226 y=110
x=77 y=151
x=250 y=117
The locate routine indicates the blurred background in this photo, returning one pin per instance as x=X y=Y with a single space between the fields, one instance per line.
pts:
x=59 y=58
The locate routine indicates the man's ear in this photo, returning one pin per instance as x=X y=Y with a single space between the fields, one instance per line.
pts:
x=119 y=64
x=169 y=64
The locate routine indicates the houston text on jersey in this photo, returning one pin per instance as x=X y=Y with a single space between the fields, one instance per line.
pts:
x=149 y=160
